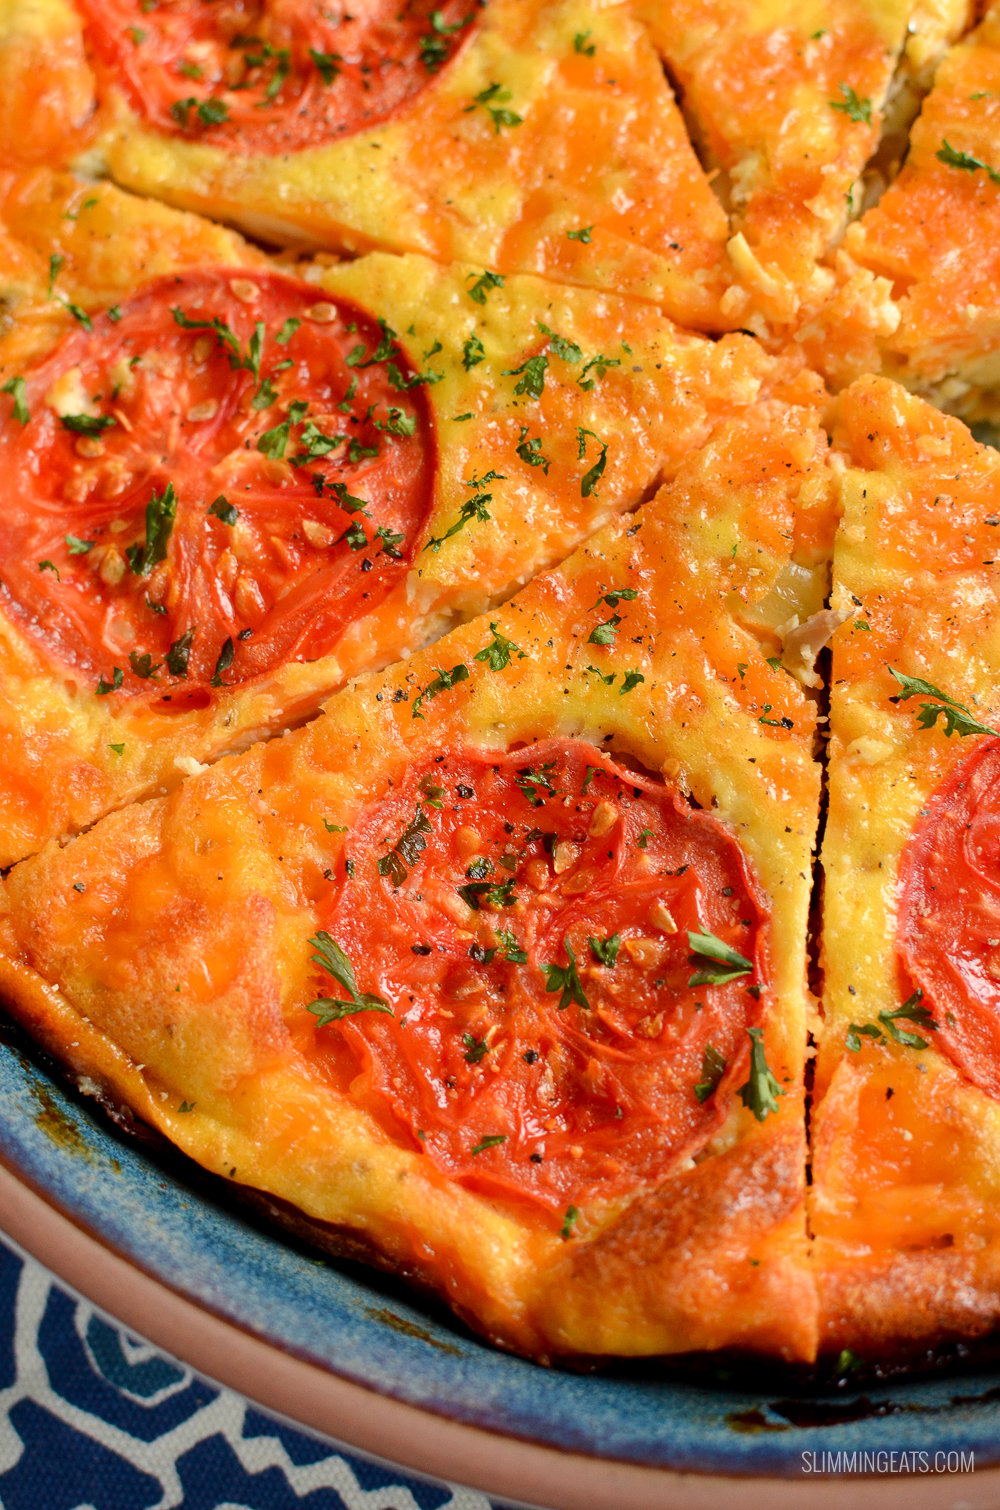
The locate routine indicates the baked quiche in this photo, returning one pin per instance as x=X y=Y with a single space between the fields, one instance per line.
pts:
x=905 y=1120
x=532 y=136
x=498 y=968
x=230 y=485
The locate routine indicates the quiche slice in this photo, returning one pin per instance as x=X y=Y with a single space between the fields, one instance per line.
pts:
x=929 y=246
x=788 y=106
x=532 y=136
x=497 y=970
x=906 y=1116
x=230 y=488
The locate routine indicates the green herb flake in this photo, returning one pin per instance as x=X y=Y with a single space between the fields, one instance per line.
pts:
x=224 y=510
x=965 y=161
x=17 y=389
x=117 y=677
x=759 y=1093
x=178 y=655
x=407 y=849
x=161 y=510
x=477 y=293
x=87 y=424
x=605 y=950
x=492 y=1140
x=50 y=566
x=566 y=1230
x=713 y=1067
x=498 y=652
x=582 y=46
x=330 y=957
x=725 y=963
x=859 y=110
x=566 y=980
x=957 y=717
x=77 y=547
x=476 y=1049
x=583 y=234
x=442 y=682
x=532 y=375
x=632 y=679
x=589 y=481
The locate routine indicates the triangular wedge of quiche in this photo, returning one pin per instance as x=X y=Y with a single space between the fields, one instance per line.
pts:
x=906 y=1120
x=232 y=487
x=788 y=105
x=930 y=248
x=497 y=970
x=533 y=136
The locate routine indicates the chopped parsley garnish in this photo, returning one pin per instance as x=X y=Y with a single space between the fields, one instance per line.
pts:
x=265 y=396
x=566 y=1230
x=512 y=951
x=15 y=386
x=760 y=1091
x=492 y=1140
x=287 y=330
x=390 y=541
x=566 y=351
x=964 y=160
x=209 y=112
x=604 y=634
x=605 y=951
x=599 y=365
x=632 y=679
x=347 y=501
x=713 y=1067
x=583 y=234
x=223 y=663
x=644 y=838
x=87 y=424
x=725 y=964
x=532 y=374
x=273 y=442
x=160 y=513
x=225 y=336
x=433 y=45
x=476 y=1049
x=493 y=100
x=615 y=596
x=328 y=64
x=117 y=677
x=50 y=566
x=142 y=665
x=477 y=293
x=55 y=263
x=443 y=682
x=397 y=423
x=77 y=547
x=589 y=480
x=533 y=783
x=581 y=45
x=531 y=451
x=472 y=508
x=607 y=679
x=498 y=652
x=564 y=978
x=957 y=717
x=433 y=792
x=80 y=315
x=179 y=653
x=331 y=958
x=492 y=893
x=224 y=510
x=473 y=352
x=404 y=854
x=358 y=355
x=911 y=1010
x=858 y=109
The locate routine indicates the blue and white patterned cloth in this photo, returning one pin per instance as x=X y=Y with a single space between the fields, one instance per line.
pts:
x=92 y=1419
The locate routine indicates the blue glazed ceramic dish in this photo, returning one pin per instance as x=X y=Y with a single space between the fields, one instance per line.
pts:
x=168 y=1220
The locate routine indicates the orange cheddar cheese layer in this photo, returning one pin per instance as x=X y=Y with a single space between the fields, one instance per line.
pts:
x=232 y=485
x=906 y=1121
x=498 y=967
x=932 y=239
x=530 y=136
x=787 y=105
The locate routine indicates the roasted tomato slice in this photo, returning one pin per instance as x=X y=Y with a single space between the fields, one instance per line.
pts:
x=215 y=479
x=264 y=76
x=526 y=917
x=948 y=937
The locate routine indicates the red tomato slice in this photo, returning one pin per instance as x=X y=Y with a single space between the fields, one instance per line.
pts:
x=948 y=936
x=229 y=480
x=273 y=75
x=474 y=886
